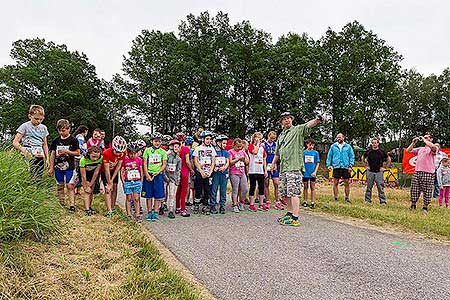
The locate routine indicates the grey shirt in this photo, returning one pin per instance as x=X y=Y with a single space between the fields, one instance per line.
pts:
x=173 y=168
x=33 y=136
x=443 y=176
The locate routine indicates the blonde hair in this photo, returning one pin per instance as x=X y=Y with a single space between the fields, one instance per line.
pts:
x=256 y=134
x=36 y=109
x=62 y=123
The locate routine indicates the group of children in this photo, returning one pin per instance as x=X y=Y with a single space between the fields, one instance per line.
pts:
x=162 y=174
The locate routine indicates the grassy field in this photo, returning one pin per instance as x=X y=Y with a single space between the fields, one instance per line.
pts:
x=90 y=258
x=435 y=224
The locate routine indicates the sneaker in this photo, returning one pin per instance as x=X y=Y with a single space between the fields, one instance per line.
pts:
x=424 y=210
x=171 y=215
x=72 y=208
x=184 y=214
x=336 y=199
x=279 y=206
x=155 y=217
x=87 y=212
x=236 y=209
x=138 y=219
x=268 y=205
x=312 y=205
x=241 y=206
x=252 y=208
x=149 y=216
x=413 y=206
x=196 y=208
x=93 y=211
x=281 y=219
x=161 y=211
x=262 y=207
x=305 y=204
x=109 y=214
x=214 y=211
x=290 y=222
x=165 y=208
x=348 y=200
x=283 y=201
x=178 y=211
x=222 y=210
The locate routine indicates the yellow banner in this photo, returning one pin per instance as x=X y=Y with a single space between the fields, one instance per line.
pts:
x=359 y=174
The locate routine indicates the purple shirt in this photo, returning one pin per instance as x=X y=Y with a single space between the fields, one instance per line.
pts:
x=425 y=159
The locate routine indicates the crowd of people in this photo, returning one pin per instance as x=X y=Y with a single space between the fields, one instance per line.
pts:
x=172 y=167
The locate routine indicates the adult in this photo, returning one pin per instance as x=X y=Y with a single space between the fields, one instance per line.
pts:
x=340 y=159
x=269 y=146
x=374 y=158
x=423 y=178
x=290 y=151
x=437 y=160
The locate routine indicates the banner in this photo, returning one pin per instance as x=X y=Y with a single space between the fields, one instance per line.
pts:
x=409 y=160
x=358 y=174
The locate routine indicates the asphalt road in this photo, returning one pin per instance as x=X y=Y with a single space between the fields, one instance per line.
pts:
x=249 y=256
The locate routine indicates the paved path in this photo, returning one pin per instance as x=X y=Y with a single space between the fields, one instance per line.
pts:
x=250 y=256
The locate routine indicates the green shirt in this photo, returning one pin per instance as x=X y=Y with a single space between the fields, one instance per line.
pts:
x=155 y=158
x=90 y=165
x=290 y=145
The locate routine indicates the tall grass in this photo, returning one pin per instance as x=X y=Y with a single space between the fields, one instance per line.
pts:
x=27 y=208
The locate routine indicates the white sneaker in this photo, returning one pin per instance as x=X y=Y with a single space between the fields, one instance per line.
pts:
x=235 y=209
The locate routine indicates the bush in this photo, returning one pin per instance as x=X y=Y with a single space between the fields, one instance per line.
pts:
x=27 y=208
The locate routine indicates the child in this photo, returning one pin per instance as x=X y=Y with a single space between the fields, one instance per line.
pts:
x=269 y=146
x=95 y=140
x=220 y=175
x=90 y=166
x=155 y=161
x=132 y=177
x=312 y=160
x=204 y=162
x=172 y=174
x=443 y=177
x=238 y=177
x=186 y=170
x=257 y=171
x=62 y=161
x=33 y=135
x=80 y=134
x=112 y=163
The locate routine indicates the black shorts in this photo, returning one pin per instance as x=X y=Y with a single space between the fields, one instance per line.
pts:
x=341 y=173
x=105 y=183
x=312 y=179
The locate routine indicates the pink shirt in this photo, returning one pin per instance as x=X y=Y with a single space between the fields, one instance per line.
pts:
x=131 y=168
x=239 y=167
x=425 y=159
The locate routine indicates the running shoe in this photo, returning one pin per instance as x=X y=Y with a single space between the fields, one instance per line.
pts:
x=241 y=206
x=413 y=206
x=279 y=206
x=93 y=211
x=348 y=200
x=178 y=211
x=87 y=212
x=252 y=208
x=161 y=211
x=155 y=217
x=72 y=208
x=268 y=205
x=263 y=208
x=184 y=214
x=312 y=206
x=171 y=215
x=236 y=209
x=290 y=222
x=214 y=211
x=222 y=210
x=138 y=219
x=149 y=216
x=305 y=204
x=109 y=214
x=281 y=219
x=283 y=201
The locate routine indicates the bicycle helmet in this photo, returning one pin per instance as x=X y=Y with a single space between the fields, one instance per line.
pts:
x=133 y=147
x=174 y=141
x=157 y=136
x=221 y=137
x=205 y=133
x=180 y=136
x=189 y=140
x=166 y=138
x=119 y=144
x=141 y=144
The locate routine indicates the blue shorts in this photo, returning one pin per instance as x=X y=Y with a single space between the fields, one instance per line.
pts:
x=66 y=176
x=154 y=188
x=274 y=174
x=131 y=187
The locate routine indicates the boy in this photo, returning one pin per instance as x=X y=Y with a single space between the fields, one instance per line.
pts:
x=172 y=174
x=33 y=135
x=220 y=175
x=62 y=161
x=155 y=161
x=90 y=166
x=112 y=162
x=269 y=146
x=312 y=161
x=204 y=162
x=132 y=177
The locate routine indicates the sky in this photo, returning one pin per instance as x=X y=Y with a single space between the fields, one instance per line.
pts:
x=104 y=30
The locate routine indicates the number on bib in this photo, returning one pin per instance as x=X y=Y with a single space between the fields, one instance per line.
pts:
x=133 y=175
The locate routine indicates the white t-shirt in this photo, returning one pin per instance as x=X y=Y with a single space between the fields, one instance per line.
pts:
x=256 y=164
x=205 y=155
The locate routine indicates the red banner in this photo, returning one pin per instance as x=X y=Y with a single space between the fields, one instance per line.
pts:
x=409 y=160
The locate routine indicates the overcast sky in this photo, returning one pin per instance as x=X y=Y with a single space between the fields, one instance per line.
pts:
x=419 y=30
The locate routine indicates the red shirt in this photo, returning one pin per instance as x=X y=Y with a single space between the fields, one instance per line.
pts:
x=184 y=167
x=113 y=160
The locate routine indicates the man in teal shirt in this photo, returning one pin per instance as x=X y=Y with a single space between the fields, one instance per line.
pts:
x=289 y=150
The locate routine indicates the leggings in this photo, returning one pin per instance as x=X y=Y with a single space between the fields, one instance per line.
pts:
x=182 y=191
x=202 y=189
x=256 y=178
x=236 y=182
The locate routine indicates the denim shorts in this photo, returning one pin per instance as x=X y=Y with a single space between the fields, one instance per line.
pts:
x=131 y=187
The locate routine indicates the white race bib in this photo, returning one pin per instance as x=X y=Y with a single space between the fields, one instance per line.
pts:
x=171 y=167
x=154 y=159
x=37 y=151
x=221 y=161
x=269 y=166
x=258 y=160
x=59 y=148
x=134 y=175
x=309 y=159
x=240 y=164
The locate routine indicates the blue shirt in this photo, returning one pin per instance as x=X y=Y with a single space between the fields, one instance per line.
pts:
x=270 y=151
x=311 y=158
x=222 y=153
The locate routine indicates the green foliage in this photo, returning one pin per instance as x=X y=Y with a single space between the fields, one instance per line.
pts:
x=27 y=208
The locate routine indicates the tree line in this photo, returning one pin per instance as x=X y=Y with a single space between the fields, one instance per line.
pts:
x=232 y=78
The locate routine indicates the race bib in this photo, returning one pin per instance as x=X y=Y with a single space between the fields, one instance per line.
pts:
x=259 y=160
x=59 y=148
x=171 y=167
x=269 y=166
x=309 y=159
x=221 y=161
x=205 y=161
x=240 y=164
x=154 y=159
x=37 y=151
x=134 y=175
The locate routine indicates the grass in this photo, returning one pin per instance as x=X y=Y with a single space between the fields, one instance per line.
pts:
x=435 y=224
x=90 y=258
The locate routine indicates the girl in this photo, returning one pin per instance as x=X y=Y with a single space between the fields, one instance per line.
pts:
x=257 y=171
x=90 y=166
x=172 y=174
x=238 y=178
x=132 y=178
x=443 y=178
